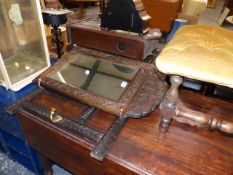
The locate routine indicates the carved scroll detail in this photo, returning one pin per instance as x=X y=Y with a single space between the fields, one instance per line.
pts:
x=142 y=95
x=147 y=98
x=83 y=96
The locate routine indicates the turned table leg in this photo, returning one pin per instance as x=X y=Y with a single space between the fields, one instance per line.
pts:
x=168 y=105
x=47 y=165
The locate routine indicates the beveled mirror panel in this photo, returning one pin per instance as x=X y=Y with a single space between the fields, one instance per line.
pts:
x=99 y=77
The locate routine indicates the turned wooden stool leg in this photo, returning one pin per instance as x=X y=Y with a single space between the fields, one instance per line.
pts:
x=168 y=105
x=170 y=109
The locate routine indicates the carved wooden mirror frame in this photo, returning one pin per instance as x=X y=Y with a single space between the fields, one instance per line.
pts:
x=142 y=95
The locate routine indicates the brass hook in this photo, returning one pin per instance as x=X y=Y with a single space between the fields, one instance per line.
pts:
x=55 y=118
x=38 y=83
x=121 y=111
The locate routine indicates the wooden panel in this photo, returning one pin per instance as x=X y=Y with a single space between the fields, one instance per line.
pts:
x=88 y=33
x=108 y=43
x=163 y=13
x=211 y=3
x=81 y=3
x=139 y=149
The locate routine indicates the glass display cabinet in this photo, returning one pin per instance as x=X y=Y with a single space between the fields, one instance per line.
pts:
x=23 y=47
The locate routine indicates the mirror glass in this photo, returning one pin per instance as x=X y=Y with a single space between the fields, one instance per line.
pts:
x=97 y=76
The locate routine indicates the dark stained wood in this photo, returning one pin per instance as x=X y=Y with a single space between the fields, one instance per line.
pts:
x=12 y=109
x=168 y=105
x=82 y=4
x=47 y=165
x=139 y=148
x=173 y=108
x=87 y=33
x=144 y=92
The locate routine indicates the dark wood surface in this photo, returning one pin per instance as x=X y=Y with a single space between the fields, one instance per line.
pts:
x=163 y=13
x=136 y=47
x=81 y=4
x=139 y=148
x=173 y=109
x=144 y=92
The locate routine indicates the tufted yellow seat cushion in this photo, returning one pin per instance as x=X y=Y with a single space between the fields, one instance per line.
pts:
x=200 y=52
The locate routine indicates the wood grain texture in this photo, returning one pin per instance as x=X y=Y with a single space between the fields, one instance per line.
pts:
x=145 y=91
x=163 y=13
x=136 y=47
x=211 y=3
x=81 y=4
x=173 y=108
x=139 y=149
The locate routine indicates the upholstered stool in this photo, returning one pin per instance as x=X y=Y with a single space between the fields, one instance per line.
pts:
x=202 y=53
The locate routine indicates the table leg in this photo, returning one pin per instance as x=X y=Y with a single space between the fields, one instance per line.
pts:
x=82 y=11
x=47 y=165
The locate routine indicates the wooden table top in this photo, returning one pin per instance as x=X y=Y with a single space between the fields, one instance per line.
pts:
x=139 y=148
